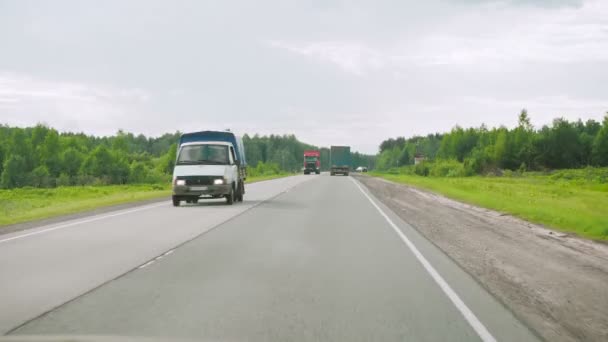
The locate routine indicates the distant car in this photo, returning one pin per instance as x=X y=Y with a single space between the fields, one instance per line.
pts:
x=361 y=169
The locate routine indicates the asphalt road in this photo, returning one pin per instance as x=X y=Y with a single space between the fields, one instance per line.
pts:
x=304 y=258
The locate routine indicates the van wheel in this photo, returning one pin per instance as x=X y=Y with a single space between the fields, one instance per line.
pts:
x=175 y=201
x=239 y=196
x=230 y=196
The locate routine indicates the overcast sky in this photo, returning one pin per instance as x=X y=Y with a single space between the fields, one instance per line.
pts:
x=331 y=72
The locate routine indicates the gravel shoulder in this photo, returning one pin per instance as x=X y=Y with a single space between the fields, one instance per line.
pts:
x=555 y=283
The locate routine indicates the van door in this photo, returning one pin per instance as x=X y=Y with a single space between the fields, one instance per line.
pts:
x=235 y=169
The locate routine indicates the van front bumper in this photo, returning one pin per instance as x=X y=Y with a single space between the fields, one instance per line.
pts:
x=201 y=190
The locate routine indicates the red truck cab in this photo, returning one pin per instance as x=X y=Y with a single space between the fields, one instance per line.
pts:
x=312 y=162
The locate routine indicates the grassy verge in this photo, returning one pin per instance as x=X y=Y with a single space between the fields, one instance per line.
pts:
x=574 y=205
x=253 y=179
x=27 y=204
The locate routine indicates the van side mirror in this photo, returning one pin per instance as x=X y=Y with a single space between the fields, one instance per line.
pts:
x=237 y=162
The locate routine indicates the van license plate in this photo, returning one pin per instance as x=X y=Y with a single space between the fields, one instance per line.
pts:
x=198 y=188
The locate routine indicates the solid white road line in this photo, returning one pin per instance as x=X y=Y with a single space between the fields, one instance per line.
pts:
x=147 y=264
x=74 y=223
x=470 y=317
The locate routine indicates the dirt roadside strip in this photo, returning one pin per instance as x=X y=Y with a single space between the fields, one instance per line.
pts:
x=555 y=283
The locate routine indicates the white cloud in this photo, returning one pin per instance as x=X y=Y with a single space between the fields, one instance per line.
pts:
x=329 y=72
x=70 y=105
x=352 y=57
x=488 y=37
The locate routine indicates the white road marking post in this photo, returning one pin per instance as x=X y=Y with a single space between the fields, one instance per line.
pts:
x=469 y=316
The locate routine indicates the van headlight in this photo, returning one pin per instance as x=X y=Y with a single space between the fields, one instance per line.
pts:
x=180 y=182
x=218 y=181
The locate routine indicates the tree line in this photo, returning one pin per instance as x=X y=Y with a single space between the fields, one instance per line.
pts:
x=41 y=156
x=563 y=144
x=287 y=152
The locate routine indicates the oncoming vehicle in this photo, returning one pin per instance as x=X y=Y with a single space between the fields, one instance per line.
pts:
x=312 y=162
x=209 y=165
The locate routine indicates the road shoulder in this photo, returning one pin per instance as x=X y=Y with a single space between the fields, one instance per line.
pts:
x=12 y=228
x=554 y=283
x=16 y=227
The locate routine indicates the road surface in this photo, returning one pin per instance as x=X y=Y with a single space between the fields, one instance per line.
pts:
x=303 y=258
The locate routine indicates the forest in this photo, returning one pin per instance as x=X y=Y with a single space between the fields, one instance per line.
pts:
x=467 y=151
x=41 y=156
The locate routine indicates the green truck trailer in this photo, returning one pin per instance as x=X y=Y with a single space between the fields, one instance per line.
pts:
x=340 y=160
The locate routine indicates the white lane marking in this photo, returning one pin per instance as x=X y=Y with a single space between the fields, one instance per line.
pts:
x=158 y=258
x=70 y=224
x=147 y=264
x=470 y=317
x=97 y=218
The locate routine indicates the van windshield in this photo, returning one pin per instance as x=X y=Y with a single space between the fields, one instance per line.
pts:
x=203 y=154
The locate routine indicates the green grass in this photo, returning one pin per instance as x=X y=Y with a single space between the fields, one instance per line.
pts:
x=27 y=204
x=253 y=179
x=574 y=201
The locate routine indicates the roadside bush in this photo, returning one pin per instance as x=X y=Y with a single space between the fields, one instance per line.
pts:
x=40 y=177
x=449 y=168
x=138 y=172
x=156 y=176
x=63 y=180
x=84 y=180
x=422 y=169
x=264 y=169
x=590 y=174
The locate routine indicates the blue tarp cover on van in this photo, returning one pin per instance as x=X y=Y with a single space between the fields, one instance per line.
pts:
x=237 y=142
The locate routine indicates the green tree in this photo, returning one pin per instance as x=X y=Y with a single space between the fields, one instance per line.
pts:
x=64 y=180
x=50 y=153
x=38 y=134
x=404 y=157
x=501 y=147
x=138 y=173
x=2 y=156
x=522 y=140
x=600 y=145
x=98 y=163
x=167 y=161
x=71 y=160
x=40 y=177
x=567 y=149
x=14 y=173
x=119 y=171
x=21 y=146
x=285 y=160
x=120 y=142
